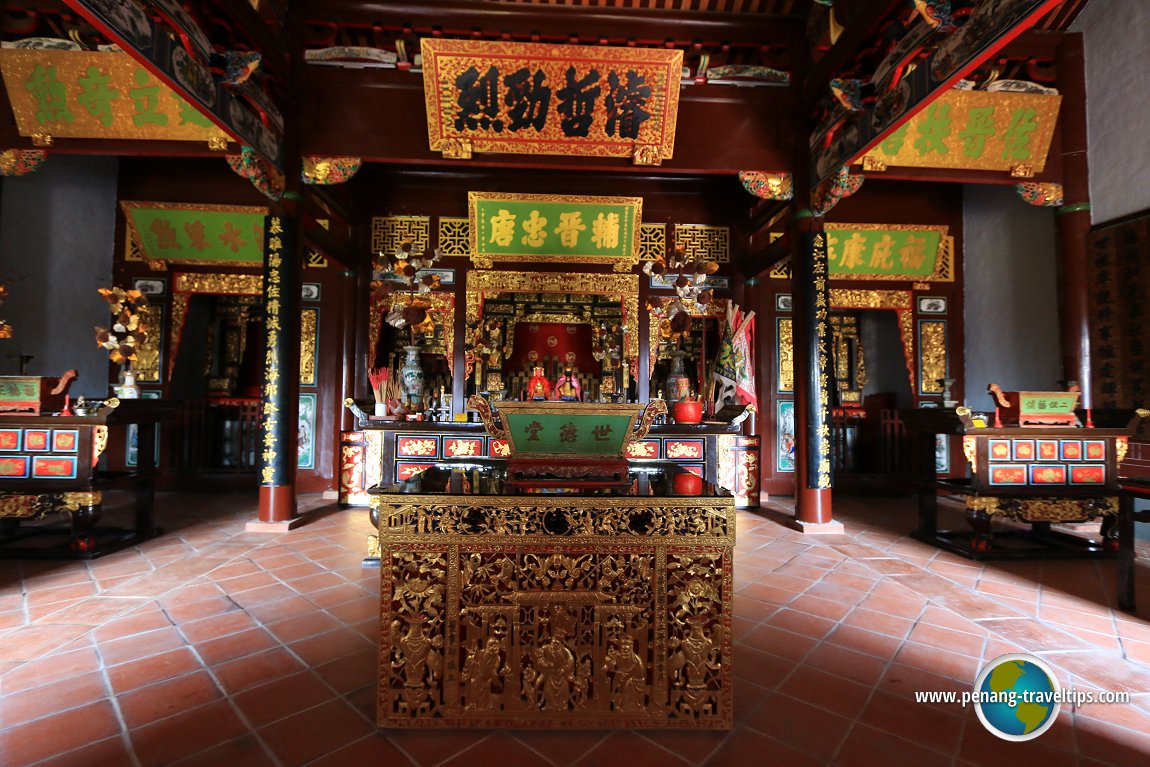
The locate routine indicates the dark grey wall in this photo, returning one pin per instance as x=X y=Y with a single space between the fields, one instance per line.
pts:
x=1011 y=294
x=56 y=244
x=1117 y=105
x=885 y=357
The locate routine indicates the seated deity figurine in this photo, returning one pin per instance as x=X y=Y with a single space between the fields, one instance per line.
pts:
x=567 y=387
x=538 y=387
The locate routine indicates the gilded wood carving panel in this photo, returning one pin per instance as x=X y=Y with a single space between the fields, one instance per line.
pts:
x=556 y=614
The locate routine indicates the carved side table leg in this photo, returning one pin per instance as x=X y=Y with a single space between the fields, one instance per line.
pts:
x=84 y=510
x=981 y=523
x=372 y=558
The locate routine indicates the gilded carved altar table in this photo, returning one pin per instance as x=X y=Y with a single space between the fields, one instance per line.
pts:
x=562 y=608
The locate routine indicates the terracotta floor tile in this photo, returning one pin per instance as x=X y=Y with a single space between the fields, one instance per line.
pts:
x=310 y=584
x=337 y=595
x=1103 y=670
x=770 y=595
x=902 y=679
x=957 y=641
x=813 y=731
x=236 y=645
x=146 y=618
x=45 y=700
x=233 y=570
x=826 y=691
x=156 y=668
x=630 y=749
x=283 y=697
x=937 y=727
x=313 y=733
x=1075 y=618
x=110 y=752
x=167 y=698
x=747 y=747
x=879 y=622
x=201 y=609
x=777 y=641
x=938 y=660
x=241 y=583
x=251 y=670
x=140 y=646
x=185 y=734
x=49 y=669
x=693 y=746
x=354 y=612
x=349 y=672
x=560 y=748
x=326 y=647
x=866 y=642
x=293 y=606
x=40 y=597
x=501 y=747
x=895 y=607
x=246 y=751
x=865 y=746
x=28 y=643
x=983 y=748
x=375 y=749
x=262 y=596
x=303 y=626
x=217 y=627
x=802 y=623
x=762 y=668
x=848 y=664
x=57 y=734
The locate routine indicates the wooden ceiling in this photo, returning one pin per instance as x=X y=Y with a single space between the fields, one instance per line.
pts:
x=768 y=7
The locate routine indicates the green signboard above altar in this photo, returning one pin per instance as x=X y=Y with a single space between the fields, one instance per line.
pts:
x=163 y=233
x=544 y=227
x=890 y=252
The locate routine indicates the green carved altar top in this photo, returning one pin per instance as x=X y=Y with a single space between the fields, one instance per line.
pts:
x=568 y=428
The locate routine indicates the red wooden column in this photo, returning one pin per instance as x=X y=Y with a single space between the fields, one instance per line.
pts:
x=1074 y=218
x=812 y=339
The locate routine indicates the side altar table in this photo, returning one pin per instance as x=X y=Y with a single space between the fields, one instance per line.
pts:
x=1034 y=475
x=50 y=467
x=504 y=605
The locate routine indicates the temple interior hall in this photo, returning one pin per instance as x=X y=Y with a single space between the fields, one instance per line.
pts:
x=689 y=383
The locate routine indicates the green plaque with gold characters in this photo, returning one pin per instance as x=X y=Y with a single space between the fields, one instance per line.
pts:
x=540 y=227
x=567 y=429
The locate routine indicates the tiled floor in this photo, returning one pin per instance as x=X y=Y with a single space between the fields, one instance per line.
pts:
x=210 y=646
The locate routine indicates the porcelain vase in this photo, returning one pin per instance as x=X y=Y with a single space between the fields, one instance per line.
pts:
x=128 y=388
x=411 y=379
x=678 y=384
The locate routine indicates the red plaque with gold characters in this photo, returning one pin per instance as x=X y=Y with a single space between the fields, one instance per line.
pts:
x=538 y=98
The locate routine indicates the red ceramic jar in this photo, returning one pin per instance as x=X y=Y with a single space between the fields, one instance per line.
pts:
x=686 y=411
x=687 y=484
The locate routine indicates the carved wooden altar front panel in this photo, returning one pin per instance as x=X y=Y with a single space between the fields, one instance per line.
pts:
x=556 y=612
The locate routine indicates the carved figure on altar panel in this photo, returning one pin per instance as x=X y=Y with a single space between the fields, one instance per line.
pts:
x=628 y=675
x=556 y=671
x=484 y=671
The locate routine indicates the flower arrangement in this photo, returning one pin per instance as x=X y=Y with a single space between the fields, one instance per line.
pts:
x=5 y=328
x=411 y=313
x=127 y=332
